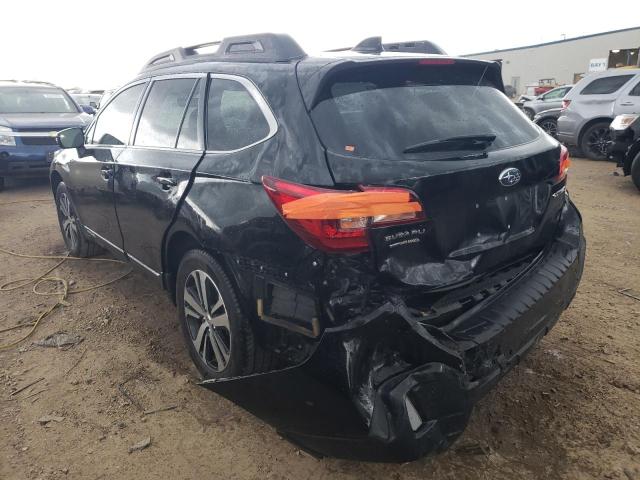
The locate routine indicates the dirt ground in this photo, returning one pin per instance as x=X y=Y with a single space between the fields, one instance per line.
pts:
x=570 y=410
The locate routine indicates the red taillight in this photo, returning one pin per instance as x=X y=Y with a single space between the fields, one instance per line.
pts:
x=565 y=163
x=337 y=220
x=565 y=104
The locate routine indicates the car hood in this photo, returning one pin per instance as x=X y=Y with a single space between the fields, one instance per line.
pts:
x=44 y=120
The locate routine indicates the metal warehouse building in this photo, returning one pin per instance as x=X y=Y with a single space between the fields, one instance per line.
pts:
x=563 y=61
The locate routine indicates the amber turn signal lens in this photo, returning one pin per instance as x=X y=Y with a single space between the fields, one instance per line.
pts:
x=565 y=162
x=338 y=220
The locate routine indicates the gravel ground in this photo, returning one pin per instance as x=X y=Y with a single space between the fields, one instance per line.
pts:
x=570 y=410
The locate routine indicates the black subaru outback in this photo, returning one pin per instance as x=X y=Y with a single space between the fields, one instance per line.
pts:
x=359 y=244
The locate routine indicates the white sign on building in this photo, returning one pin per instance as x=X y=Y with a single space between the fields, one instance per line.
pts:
x=597 y=64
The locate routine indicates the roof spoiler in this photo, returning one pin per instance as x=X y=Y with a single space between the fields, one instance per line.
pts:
x=375 y=45
x=262 y=47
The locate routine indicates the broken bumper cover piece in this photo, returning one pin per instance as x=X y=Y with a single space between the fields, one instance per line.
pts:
x=386 y=387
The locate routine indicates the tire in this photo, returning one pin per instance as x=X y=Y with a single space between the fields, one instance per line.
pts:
x=635 y=171
x=529 y=113
x=77 y=242
x=220 y=342
x=1 y=184
x=593 y=142
x=550 y=125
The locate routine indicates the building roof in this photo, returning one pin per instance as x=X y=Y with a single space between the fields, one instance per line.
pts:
x=554 y=42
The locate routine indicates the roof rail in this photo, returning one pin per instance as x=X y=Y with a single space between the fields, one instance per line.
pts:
x=375 y=45
x=261 y=47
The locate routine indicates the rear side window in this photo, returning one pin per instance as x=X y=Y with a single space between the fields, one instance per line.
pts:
x=601 y=86
x=114 y=123
x=635 y=91
x=556 y=94
x=234 y=118
x=163 y=112
x=188 y=138
x=380 y=111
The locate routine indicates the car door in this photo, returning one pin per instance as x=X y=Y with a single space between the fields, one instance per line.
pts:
x=91 y=174
x=153 y=173
x=629 y=100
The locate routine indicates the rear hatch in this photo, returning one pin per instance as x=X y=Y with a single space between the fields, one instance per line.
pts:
x=487 y=178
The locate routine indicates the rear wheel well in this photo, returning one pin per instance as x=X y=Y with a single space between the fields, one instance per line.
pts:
x=56 y=179
x=589 y=123
x=179 y=244
x=548 y=117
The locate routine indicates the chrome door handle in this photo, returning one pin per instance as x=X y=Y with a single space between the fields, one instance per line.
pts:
x=166 y=182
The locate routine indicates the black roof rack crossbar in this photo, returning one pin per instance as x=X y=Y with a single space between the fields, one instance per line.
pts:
x=369 y=45
x=193 y=49
x=375 y=45
x=262 y=47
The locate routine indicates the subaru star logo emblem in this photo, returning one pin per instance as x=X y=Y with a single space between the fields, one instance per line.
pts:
x=509 y=176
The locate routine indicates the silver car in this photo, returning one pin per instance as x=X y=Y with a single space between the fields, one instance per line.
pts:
x=592 y=104
x=546 y=101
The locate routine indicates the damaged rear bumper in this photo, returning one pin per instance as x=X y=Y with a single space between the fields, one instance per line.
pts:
x=388 y=387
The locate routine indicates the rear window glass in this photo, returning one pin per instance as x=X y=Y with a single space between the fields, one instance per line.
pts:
x=381 y=111
x=606 y=85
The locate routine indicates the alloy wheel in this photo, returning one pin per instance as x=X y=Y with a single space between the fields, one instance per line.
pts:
x=597 y=141
x=207 y=320
x=551 y=127
x=68 y=221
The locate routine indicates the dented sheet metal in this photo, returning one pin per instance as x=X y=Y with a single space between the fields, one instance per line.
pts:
x=391 y=386
x=472 y=224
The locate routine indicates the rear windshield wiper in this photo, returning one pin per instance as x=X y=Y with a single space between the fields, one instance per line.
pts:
x=467 y=142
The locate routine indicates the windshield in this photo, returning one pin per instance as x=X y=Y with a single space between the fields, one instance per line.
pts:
x=35 y=100
x=388 y=111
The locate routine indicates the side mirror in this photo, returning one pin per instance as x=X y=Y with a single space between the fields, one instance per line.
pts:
x=88 y=109
x=71 y=138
